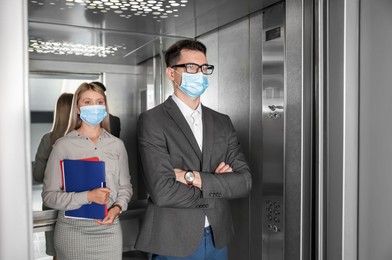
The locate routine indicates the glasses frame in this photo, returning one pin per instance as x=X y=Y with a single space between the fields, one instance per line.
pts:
x=199 y=67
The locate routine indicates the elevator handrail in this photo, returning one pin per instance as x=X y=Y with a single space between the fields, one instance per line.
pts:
x=45 y=220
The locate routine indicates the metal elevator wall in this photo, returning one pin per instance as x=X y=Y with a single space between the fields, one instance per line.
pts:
x=248 y=85
x=273 y=131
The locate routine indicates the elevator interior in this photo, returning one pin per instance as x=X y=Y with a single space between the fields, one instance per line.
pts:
x=337 y=55
x=122 y=42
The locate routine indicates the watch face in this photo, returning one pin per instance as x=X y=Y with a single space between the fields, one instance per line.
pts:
x=189 y=176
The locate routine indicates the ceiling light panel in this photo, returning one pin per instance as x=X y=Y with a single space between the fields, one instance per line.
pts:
x=157 y=9
x=69 y=48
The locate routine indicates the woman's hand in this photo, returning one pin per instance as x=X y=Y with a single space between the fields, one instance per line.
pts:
x=109 y=219
x=98 y=195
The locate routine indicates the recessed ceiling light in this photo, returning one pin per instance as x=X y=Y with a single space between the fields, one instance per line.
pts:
x=128 y=7
x=68 y=48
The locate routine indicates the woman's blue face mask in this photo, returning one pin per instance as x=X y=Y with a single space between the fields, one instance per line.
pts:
x=93 y=115
x=193 y=85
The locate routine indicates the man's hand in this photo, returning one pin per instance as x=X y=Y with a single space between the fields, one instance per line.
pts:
x=223 y=168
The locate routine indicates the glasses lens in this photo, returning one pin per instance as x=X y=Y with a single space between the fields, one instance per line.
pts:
x=191 y=68
x=207 y=69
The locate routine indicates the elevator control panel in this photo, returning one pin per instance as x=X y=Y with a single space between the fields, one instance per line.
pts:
x=273 y=215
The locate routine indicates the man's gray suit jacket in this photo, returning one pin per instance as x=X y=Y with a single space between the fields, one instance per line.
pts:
x=174 y=220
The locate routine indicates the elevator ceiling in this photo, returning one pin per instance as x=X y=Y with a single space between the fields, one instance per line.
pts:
x=125 y=32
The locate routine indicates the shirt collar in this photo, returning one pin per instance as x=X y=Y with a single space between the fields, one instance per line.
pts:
x=185 y=109
x=75 y=133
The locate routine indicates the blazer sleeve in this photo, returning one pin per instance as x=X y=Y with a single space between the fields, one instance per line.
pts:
x=236 y=184
x=41 y=158
x=158 y=170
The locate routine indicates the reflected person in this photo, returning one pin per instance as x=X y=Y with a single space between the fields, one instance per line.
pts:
x=192 y=164
x=59 y=127
x=88 y=136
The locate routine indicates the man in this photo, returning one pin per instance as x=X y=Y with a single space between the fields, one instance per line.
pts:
x=192 y=165
x=115 y=124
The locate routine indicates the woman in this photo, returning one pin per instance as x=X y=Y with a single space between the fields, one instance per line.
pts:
x=88 y=136
x=60 y=123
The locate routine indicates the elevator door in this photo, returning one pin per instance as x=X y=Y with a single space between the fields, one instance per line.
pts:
x=273 y=131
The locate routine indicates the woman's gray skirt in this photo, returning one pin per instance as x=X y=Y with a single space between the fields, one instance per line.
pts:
x=79 y=239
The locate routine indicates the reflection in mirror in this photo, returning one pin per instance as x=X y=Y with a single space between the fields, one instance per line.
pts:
x=45 y=89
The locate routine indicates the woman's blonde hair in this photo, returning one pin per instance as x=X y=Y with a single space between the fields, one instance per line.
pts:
x=74 y=121
x=61 y=117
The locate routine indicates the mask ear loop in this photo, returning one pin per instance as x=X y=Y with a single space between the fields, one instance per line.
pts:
x=173 y=70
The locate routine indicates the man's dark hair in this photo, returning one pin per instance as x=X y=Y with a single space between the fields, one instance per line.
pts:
x=173 y=53
x=99 y=84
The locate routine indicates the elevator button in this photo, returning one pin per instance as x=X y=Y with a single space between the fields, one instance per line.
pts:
x=269 y=227
x=275 y=228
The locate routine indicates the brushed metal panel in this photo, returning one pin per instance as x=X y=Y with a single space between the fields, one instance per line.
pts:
x=298 y=125
x=234 y=96
x=123 y=91
x=211 y=96
x=375 y=142
x=233 y=75
x=256 y=136
x=334 y=131
x=273 y=85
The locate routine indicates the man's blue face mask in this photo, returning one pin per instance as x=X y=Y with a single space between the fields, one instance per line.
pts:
x=193 y=85
x=93 y=115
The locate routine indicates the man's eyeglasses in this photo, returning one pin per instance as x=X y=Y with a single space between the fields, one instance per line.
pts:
x=193 y=68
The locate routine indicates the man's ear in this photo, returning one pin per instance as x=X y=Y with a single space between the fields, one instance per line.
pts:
x=170 y=73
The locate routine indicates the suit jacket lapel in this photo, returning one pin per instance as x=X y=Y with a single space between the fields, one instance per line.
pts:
x=175 y=113
x=208 y=138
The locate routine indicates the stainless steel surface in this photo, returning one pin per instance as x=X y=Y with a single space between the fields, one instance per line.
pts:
x=255 y=136
x=375 y=142
x=298 y=130
x=351 y=131
x=320 y=180
x=44 y=220
x=273 y=85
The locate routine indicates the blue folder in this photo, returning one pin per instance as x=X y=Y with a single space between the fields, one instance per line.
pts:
x=83 y=175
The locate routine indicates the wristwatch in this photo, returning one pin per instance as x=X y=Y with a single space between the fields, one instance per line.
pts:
x=189 y=177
